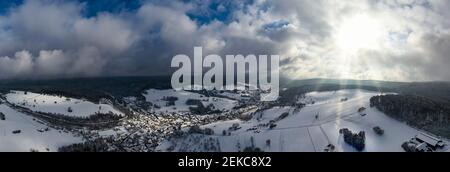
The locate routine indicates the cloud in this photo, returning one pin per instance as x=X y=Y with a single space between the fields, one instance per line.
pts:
x=54 y=38
x=21 y=64
x=65 y=42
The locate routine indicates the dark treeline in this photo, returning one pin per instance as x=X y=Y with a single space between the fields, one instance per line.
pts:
x=98 y=145
x=421 y=112
x=92 y=89
x=94 y=121
x=435 y=90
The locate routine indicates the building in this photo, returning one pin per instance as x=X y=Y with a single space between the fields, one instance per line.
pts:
x=423 y=147
x=431 y=141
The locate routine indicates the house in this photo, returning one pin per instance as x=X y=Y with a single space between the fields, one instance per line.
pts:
x=430 y=140
x=423 y=147
x=245 y=95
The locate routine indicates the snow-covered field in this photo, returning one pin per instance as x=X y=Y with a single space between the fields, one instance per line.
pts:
x=156 y=97
x=301 y=131
x=33 y=134
x=58 y=105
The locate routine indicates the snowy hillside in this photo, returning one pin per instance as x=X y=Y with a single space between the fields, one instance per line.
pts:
x=179 y=98
x=58 y=105
x=22 y=133
x=310 y=129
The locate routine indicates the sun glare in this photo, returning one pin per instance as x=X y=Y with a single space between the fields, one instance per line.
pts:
x=358 y=32
x=353 y=34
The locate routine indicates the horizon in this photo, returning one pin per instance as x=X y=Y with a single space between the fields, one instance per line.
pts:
x=168 y=76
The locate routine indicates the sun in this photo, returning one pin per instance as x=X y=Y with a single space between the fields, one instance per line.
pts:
x=358 y=32
x=352 y=35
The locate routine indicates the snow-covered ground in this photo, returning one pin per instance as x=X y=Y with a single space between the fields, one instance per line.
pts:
x=302 y=132
x=156 y=97
x=33 y=134
x=58 y=105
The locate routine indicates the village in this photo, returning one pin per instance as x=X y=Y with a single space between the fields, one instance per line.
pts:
x=144 y=128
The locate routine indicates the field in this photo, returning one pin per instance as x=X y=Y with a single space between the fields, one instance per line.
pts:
x=58 y=104
x=34 y=135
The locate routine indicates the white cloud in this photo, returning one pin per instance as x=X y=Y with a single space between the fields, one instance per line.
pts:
x=21 y=64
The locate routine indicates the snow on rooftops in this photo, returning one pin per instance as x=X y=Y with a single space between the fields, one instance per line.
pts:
x=433 y=141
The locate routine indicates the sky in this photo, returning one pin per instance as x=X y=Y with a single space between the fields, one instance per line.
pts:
x=394 y=40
